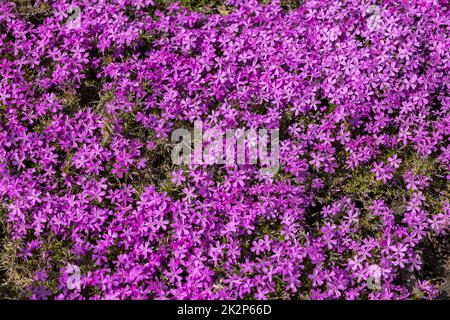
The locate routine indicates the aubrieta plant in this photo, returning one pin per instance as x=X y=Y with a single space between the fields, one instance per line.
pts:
x=91 y=90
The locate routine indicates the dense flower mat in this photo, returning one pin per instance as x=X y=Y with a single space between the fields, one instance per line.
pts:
x=87 y=107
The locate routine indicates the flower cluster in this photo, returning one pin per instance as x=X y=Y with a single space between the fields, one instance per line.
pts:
x=86 y=180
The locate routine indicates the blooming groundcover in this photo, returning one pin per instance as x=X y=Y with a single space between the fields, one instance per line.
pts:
x=359 y=208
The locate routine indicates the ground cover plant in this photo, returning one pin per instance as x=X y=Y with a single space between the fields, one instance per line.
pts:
x=93 y=207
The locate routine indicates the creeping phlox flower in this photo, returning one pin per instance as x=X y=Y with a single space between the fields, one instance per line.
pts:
x=93 y=207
